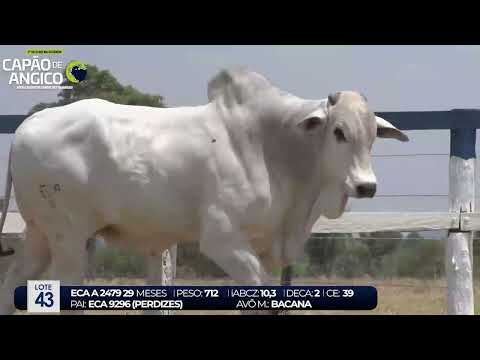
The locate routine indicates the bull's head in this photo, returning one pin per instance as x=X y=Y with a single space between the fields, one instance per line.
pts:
x=348 y=129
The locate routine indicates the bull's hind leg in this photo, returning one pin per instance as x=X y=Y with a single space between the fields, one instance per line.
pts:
x=154 y=276
x=68 y=248
x=28 y=264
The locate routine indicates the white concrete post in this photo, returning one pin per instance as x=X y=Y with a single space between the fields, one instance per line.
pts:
x=458 y=258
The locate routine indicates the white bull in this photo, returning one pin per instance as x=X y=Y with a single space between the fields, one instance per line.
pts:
x=245 y=175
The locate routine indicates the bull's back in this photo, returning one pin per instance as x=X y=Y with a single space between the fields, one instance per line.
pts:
x=94 y=129
x=129 y=165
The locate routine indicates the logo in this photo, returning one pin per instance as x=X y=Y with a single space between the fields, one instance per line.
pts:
x=39 y=71
x=43 y=296
x=76 y=71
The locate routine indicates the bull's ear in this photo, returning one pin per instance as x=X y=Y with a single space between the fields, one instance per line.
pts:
x=387 y=130
x=313 y=122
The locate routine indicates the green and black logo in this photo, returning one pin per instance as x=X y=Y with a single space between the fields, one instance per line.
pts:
x=76 y=71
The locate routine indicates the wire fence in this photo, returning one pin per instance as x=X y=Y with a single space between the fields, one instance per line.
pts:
x=383 y=255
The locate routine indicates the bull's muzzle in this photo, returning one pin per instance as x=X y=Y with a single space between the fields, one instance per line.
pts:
x=366 y=190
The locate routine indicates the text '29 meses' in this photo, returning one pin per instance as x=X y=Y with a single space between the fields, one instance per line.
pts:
x=149 y=293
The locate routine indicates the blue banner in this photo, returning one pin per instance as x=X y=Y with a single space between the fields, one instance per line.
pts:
x=42 y=297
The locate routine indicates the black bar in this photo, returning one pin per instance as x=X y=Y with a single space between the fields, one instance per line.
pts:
x=462 y=143
x=10 y=123
x=434 y=120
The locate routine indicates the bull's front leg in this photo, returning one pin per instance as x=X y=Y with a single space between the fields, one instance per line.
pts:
x=228 y=246
x=271 y=263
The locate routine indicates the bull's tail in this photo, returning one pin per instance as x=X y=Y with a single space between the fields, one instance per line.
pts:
x=6 y=201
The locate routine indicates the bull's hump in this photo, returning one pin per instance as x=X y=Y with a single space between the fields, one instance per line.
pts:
x=237 y=85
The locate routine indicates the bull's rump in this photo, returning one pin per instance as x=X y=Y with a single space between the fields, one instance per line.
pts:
x=141 y=169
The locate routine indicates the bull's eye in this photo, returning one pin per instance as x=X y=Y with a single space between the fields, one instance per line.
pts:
x=340 y=135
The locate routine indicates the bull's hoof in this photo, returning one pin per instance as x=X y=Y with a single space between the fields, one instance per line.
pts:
x=7 y=252
x=279 y=312
x=264 y=312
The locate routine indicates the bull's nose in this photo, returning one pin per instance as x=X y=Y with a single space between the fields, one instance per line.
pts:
x=366 y=190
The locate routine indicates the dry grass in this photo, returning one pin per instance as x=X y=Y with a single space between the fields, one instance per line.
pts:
x=395 y=297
